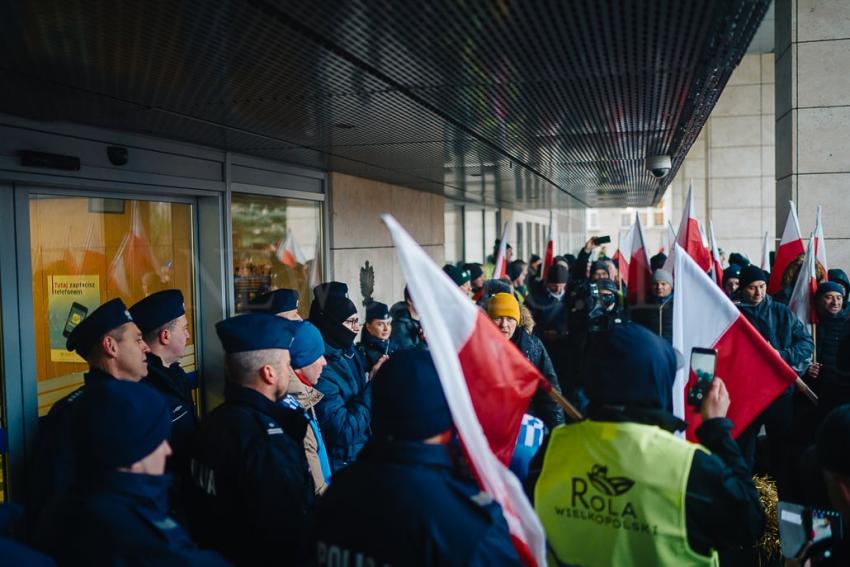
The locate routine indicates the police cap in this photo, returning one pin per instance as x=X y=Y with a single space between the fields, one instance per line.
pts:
x=157 y=309
x=253 y=331
x=89 y=331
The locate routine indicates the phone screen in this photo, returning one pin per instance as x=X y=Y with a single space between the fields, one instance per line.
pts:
x=702 y=363
x=75 y=315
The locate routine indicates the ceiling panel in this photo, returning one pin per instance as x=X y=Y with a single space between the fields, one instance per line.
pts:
x=527 y=104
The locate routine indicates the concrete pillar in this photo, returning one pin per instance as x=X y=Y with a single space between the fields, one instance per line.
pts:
x=813 y=118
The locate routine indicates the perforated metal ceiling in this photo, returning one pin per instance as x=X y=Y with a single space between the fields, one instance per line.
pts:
x=515 y=103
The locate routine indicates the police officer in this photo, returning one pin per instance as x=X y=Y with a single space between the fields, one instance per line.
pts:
x=280 y=302
x=375 y=341
x=402 y=502
x=162 y=319
x=251 y=485
x=117 y=514
x=621 y=488
x=113 y=346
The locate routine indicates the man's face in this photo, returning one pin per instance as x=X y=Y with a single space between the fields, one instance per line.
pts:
x=291 y=315
x=312 y=372
x=662 y=288
x=754 y=293
x=507 y=325
x=477 y=282
x=178 y=338
x=599 y=274
x=380 y=328
x=131 y=349
x=153 y=464
x=731 y=286
x=831 y=302
x=556 y=288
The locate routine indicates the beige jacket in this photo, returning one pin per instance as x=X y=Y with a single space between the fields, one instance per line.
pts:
x=308 y=397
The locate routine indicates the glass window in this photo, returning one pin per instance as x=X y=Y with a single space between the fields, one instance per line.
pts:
x=626 y=219
x=658 y=217
x=453 y=221
x=277 y=243
x=592 y=219
x=473 y=235
x=86 y=251
x=492 y=232
x=520 y=242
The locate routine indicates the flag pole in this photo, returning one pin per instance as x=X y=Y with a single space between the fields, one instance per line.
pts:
x=815 y=342
x=806 y=391
x=568 y=408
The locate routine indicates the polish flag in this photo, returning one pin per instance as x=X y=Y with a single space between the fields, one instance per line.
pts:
x=289 y=253
x=803 y=297
x=765 y=254
x=639 y=272
x=790 y=247
x=549 y=256
x=488 y=384
x=820 y=245
x=623 y=255
x=314 y=276
x=671 y=239
x=703 y=316
x=500 y=270
x=691 y=236
x=716 y=264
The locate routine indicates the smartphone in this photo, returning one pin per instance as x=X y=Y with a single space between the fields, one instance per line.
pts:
x=602 y=240
x=76 y=314
x=703 y=362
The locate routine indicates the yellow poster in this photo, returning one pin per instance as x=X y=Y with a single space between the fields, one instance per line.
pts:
x=70 y=299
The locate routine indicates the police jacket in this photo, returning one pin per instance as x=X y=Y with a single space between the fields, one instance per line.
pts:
x=402 y=503
x=122 y=518
x=722 y=507
x=251 y=486
x=173 y=384
x=781 y=328
x=345 y=411
x=53 y=467
x=542 y=405
x=407 y=331
x=657 y=316
x=548 y=311
x=372 y=348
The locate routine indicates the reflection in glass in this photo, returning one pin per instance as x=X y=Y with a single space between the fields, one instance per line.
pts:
x=277 y=243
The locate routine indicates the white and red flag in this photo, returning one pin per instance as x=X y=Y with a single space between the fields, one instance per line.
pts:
x=790 y=247
x=638 y=269
x=716 y=264
x=288 y=252
x=765 y=254
x=820 y=245
x=703 y=316
x=624 y=253
x=549 y=256
x=802 y=301
x=691 y=236
x=500 y=267
x=487 y=381
x=671 y=239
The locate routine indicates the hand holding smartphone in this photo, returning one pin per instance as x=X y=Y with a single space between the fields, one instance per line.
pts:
x=703 y=364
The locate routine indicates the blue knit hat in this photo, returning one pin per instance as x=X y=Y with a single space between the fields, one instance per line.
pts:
x=253 y=331
x=88 y=332
x=307 y=344
x=275 y=302
x=157 y=309
x=826 y=287
x=407 y=398
x=733 y=271
x=117 y=423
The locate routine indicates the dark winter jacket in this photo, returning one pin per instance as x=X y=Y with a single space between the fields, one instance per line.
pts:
x=251 y=487
x=656 y=315
x=542 y=405
x=373 y=348
x=403 y=503
x=781 y=328
x=407 y=331
x=122 y=519
x=346 y=408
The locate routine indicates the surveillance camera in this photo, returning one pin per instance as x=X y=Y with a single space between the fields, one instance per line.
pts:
x=659 y=166
x=117 y=155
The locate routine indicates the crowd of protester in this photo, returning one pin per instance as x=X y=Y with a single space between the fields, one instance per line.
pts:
x=334 y=444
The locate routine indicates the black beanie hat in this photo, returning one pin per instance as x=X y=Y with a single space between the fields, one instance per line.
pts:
x=600 y=265
x=733 y=271
x=407 y=398
x=458 y=275
x=328 y=316
x=657 y=262
x=558 y=274
x=474 y=270
x=117 y=423
x=751 y=273
x=739 y=259
x=632 y=367
x=832 y=445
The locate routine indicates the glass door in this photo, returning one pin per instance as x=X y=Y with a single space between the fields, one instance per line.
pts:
x=87 y=250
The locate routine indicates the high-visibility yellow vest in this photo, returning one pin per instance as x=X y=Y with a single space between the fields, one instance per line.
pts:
x=614 y=494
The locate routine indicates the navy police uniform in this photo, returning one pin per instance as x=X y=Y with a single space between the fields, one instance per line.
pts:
x=402 y=503
x=52 y=468
x=251 y=488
